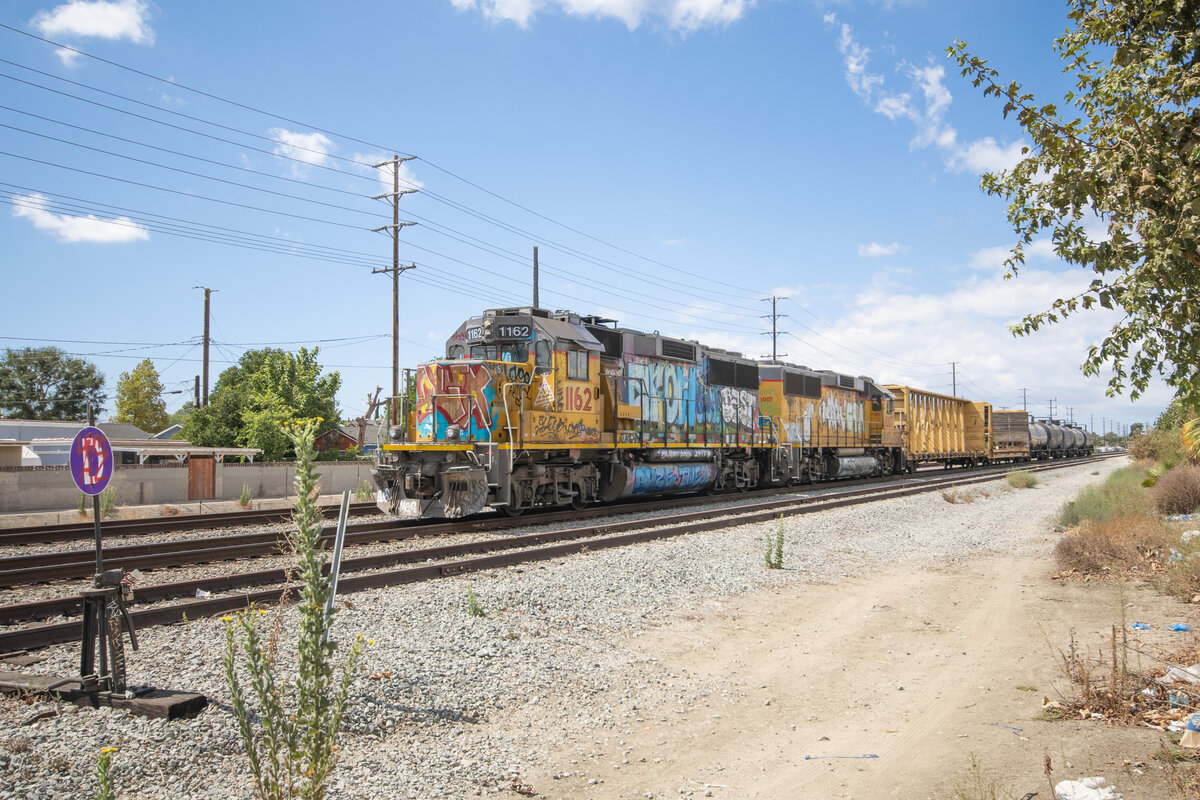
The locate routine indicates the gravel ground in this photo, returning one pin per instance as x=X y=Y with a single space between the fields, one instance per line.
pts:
x=450 y=705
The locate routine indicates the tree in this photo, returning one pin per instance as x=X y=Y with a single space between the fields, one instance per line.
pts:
x=265 y=389
x=139 y=398
x=46 y=383
x=1126 y=148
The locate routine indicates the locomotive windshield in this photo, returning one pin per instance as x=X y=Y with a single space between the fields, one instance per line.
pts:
x=509 y=351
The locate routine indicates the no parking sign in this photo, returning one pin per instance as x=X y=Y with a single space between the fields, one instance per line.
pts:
x=91 y=461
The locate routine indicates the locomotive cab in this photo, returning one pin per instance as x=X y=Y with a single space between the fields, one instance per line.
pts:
x=512 y=381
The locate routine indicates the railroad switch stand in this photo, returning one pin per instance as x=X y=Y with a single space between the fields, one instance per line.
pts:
x=104 y=613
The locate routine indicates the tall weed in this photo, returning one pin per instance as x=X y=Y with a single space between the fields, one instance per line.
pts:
x=291 y=739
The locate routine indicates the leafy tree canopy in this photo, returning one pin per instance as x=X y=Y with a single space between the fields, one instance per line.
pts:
x=46 y=383
x=139 y=398
x=264 y=389
x=1125 y=147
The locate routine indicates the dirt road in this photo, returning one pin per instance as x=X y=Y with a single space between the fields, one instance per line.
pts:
x=877 y=688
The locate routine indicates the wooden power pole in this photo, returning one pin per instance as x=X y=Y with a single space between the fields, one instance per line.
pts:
x=395 y=269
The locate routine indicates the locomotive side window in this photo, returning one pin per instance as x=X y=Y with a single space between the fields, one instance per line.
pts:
x=542 y=353
x=577 y=365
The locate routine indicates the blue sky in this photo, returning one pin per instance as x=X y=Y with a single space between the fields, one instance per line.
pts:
x=675 y=161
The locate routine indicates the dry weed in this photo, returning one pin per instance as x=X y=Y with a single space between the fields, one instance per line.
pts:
x=1178 y=491
x=1122 y=545
x=959 y=496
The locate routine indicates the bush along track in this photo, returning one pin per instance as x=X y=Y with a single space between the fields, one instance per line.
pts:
x=1139 y=525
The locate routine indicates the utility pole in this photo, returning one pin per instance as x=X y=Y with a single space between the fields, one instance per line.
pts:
x=1025 y=400
x=203 y=398
x=1052 y=401
x=197 y=403
x=395 y=269
x=774 y=316
x=535 y=278
x=1071 y=414
x=954 y=378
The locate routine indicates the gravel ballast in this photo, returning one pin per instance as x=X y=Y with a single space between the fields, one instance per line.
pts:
x=451 y=705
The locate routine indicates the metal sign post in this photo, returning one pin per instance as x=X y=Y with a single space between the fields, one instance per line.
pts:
x=92 y=469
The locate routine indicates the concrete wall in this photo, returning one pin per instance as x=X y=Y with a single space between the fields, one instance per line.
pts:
x=51 y=488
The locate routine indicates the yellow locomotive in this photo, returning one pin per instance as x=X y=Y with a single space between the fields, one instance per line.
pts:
x=532 y=409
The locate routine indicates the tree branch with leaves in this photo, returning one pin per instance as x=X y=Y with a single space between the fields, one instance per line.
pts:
x=1122 y=152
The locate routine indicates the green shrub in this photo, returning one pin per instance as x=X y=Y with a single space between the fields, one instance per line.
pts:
x=244 y=499
x=473 y=607
x=1022 y=479
x=1161 y=444
x=291 y=741
x=108 y=501
x=1121 y=494
x=1178 y=491
x=363 y=491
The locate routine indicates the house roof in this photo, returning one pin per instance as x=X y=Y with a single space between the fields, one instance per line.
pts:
x=46 y=429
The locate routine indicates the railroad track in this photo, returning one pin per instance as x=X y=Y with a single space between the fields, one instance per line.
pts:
x=378 y=570
x=44 y=534
x=54 y=566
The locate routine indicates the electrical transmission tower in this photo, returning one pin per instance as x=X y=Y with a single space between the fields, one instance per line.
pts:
x=774 y=316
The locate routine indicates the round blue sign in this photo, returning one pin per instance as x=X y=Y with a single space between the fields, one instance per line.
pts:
x=91 y=461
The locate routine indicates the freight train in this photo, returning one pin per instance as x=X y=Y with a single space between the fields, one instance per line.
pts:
x=537 y=409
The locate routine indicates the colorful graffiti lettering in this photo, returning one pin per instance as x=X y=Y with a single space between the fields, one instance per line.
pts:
x=464 y=397
x=671 y=477
x=842 y=411
x=677 y=404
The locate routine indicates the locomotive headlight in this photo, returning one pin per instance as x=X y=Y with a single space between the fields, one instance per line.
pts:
x=394 y=433
x=453 y=432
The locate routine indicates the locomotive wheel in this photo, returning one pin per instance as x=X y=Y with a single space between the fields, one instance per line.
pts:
x=513 y=511
x=578 y=503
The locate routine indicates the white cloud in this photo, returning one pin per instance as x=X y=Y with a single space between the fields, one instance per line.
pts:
x=986 y=155
x=928 y=115
x=309 y=148
x=408 y=179
x=877 y=250
x=991 y=259
x=120 y=19
x=682 y=16
x=77 y=229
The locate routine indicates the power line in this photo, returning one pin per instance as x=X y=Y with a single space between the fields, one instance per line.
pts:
x=177 y=85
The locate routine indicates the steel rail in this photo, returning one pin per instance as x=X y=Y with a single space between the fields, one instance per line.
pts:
x=46 y=567
x=41 y=534
x=524 y=548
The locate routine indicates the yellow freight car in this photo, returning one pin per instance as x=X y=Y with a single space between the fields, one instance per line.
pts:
x=938 y=428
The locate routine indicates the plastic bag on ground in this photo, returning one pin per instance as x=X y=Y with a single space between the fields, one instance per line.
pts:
x=1086 y=789
x=1182 y=675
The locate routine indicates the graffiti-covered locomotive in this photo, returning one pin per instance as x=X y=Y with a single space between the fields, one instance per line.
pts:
x=532 y=409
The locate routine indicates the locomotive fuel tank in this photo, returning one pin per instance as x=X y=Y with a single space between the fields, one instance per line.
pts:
x=659 y=478
x=852 y=466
